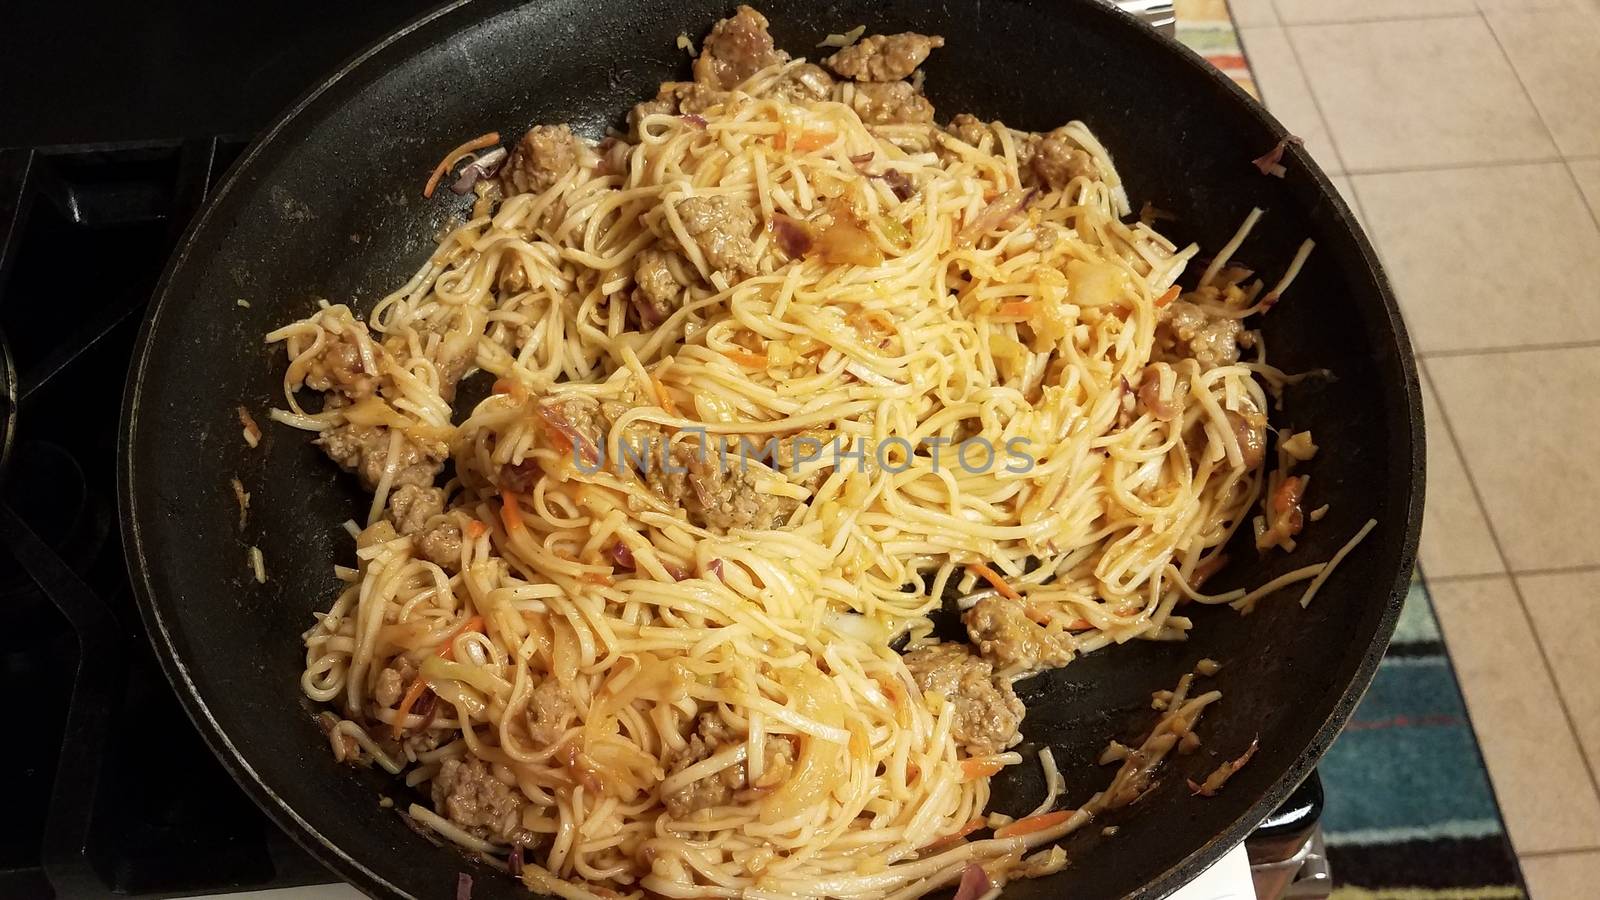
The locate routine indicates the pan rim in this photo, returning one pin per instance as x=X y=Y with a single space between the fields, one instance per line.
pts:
x=364 y=877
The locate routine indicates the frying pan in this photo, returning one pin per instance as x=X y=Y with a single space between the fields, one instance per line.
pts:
x=327 y=204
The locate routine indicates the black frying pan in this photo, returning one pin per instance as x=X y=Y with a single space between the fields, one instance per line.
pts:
x=327 y=204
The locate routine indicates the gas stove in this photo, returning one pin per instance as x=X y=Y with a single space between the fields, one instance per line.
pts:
x=100 y=172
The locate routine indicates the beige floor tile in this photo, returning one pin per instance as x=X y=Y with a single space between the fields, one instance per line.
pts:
x=1555 y=53
x=1249 y=13
x=1419 y=93
x=1283 y=90
x=1455 y=534
x=1539 y=776
x=1563 y=608
x=1587 y=173
x=1527 y=424
x=1564 y=876
x=1466 y=278
x=1306 y=12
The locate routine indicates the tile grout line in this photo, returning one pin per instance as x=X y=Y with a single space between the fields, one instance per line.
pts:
x=1536 y=854
x=1509 y=348
x=1376 y=20
x=1516 y=591
x=1519 y=573
x=1572 y=177
x=1456 y=166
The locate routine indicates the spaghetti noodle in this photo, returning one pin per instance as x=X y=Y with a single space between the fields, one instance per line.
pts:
x=648 y=660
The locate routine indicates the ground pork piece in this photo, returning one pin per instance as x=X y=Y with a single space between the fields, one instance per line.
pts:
x=643 y=448
x=337 y=367
x=987 y=711
x=804 y=83
x=543 y=155
x=725 y=493
x=894 y=103
x=364 y=450
x=884 y=57
x=711 y=734
x=1186 y=330
x=673 y=97
x=411 y=506
x=968 y=128
x=1004 y=635
x=440 y=545
x=737 y=47
x=660 y=291
x=394 y=680
x=1054 y=160
x=722 y=228
x=550 y=710
x=468 y=793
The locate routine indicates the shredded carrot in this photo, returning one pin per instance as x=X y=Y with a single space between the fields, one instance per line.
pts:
x=476 y=529
x=979 y=768
x=1019 y=308
x=941 y=842
x=993 y=577
x=510 y=386
x=596 y=578
x=814 y=140
x=454 y=156
x=1168 y=297
x=809 y=140
x=1034 y=823
x=403 y=711
x=748 y=360
x=662 y=397
x=446 y=651
x=510 y=513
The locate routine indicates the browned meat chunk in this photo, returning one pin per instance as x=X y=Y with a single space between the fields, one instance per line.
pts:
x=337 y=367
x=1056 y=160
x=987 y=711
x=1189 y=331
x=440 y=545
x=738 y=47
x=393 y=681
x=894 y=103
x=884 y=57
x=550 y=710
x=660 y=290
x=1004 y=635
x=467 y=793
x=411 y=506
x=968 y=128
x=543 y=155
x=364 y=450
x=722 y=228
x=687 y=97
x=803 y=84
x=711 y=735
x=725 y=494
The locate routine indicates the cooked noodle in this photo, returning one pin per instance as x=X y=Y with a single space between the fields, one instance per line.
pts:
x=589 y=637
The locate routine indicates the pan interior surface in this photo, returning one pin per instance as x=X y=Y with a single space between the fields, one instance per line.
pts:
x=328 y=205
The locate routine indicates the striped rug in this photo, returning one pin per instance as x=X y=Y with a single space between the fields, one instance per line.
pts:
x=1410 y=811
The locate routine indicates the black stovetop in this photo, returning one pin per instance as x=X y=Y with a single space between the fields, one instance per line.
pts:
x=116 y=120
